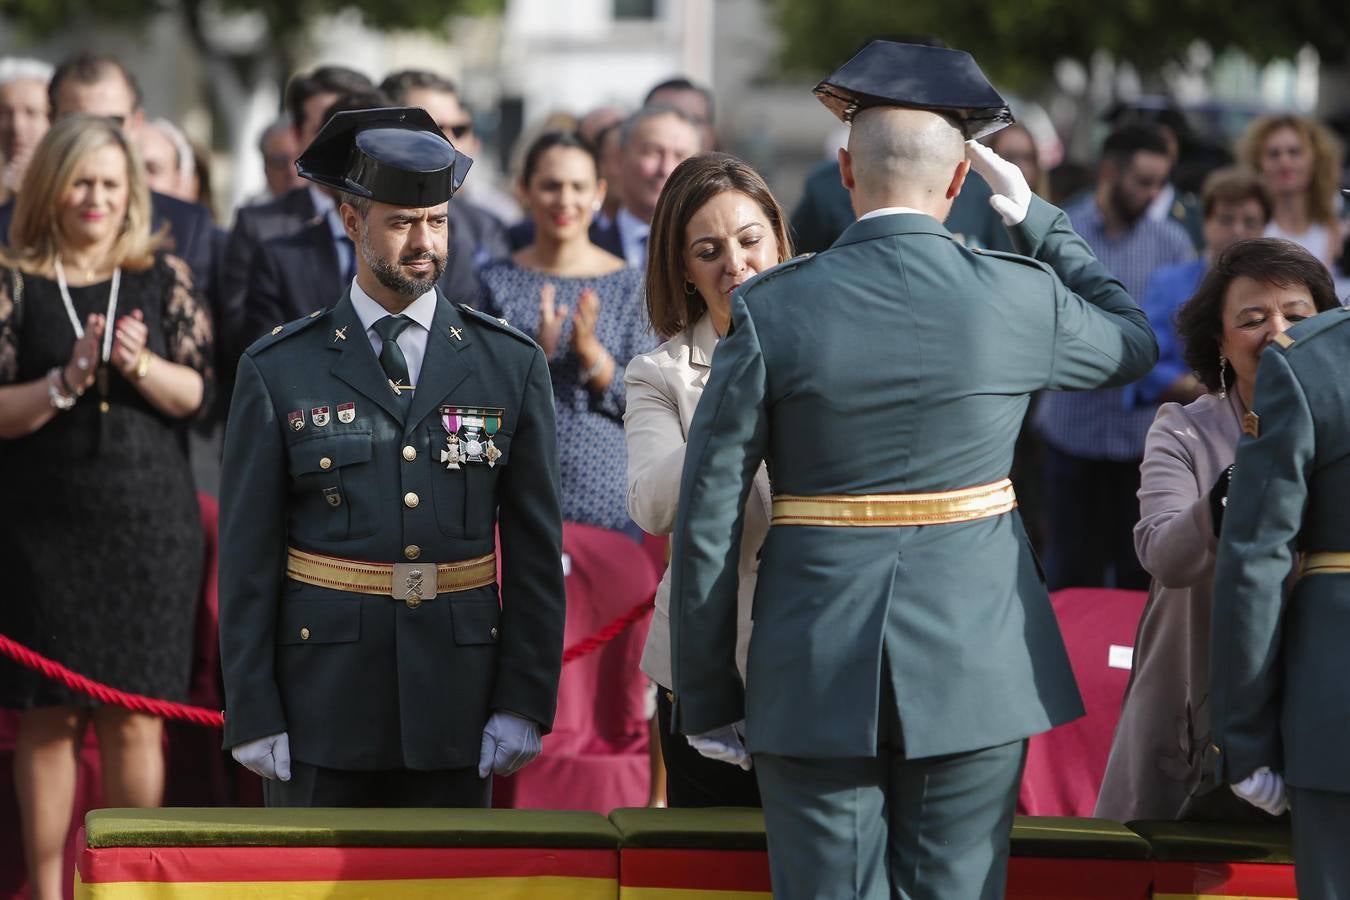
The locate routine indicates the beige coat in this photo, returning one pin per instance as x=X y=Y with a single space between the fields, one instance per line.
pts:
x=662 y=389
x=1155 y=761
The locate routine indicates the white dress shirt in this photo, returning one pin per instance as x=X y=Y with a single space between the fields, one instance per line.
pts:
x=892 y=211
x=633 y=234
x=413 y=340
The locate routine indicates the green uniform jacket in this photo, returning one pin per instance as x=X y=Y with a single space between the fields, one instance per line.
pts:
x=1279 y=694
x=897 y=361
x=362 y=681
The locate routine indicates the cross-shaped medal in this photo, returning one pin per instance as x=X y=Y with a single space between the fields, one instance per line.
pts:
x=340 y=334
x=456 y=333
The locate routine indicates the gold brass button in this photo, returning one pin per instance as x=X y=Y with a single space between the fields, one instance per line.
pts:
x=410 y=453
x=304 y=634
x=493 y=632
x=325 y=463
x=410 y=500
x=412 y=551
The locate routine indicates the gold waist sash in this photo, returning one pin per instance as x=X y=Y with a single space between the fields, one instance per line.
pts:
x=889 y=510
x=1324 y=563
x=410 y=582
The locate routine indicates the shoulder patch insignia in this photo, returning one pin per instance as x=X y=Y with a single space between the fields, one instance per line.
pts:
x=1251 y=424
x=493 y=322
x=1283 y=340
x=281 y=332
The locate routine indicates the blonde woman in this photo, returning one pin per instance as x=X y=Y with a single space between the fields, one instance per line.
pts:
x=104 y=349
x=1300 y=162
x=716 y=225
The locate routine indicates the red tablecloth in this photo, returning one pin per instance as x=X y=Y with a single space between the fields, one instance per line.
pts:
x=1065 y=765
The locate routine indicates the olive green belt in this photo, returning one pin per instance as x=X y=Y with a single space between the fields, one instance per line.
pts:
x=408 y=582
x=889 y=510
x=1324 y=563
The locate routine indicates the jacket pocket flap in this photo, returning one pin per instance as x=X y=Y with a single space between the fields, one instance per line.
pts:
x=336 y=621
x=475 y=621
x=330 y=451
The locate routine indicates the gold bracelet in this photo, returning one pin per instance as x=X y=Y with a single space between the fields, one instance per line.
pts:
x=143 y=363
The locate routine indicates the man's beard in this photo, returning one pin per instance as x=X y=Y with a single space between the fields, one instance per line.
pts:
x=395 y=278
x=1120 y=206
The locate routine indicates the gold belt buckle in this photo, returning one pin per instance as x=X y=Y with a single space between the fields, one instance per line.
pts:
x=413 y=583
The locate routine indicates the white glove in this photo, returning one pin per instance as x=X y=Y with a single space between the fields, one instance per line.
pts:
x=725 y=744
x=1012 y=194
x=1263 y=789
x=510 y=742
x=269 y=757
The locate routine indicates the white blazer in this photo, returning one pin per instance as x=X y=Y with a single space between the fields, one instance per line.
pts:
x=663 y=388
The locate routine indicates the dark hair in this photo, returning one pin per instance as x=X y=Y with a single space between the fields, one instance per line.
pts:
x=651 y=111
x=680 y=83
x=549 y=140
x=1267 y=260
x=1234 y=184
x=350 y=101
x=698 y=179
x=323 y=80
x=399 y=84
x=89 y=68
x=1122 y=144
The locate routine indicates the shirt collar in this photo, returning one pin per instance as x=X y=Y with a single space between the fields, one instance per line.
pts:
x=422 y=310
x=892 y=211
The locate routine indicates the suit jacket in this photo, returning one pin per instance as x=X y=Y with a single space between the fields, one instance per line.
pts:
x=362 y=681
x=663 y=389
x=1156 y=753
x=1278 y=691
x=898 y=361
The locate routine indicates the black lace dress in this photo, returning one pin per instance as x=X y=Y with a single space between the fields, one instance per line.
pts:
x=101 y=548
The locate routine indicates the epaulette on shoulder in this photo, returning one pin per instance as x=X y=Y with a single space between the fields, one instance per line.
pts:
x=1008 y=255
x=1306 y=331
x=281 y=332
x=494 y=322
x=786 y=265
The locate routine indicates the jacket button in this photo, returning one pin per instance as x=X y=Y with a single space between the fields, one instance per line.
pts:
x=493 y=632
x=304 y=634
x=410 y=500
x=410 y=453
x=325 y=463
x=412 y=551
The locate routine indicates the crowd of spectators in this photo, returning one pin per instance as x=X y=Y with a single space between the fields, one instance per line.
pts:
x=611 y=239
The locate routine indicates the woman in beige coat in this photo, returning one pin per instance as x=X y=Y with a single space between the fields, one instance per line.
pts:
x=1250 y=297
x=716 y=225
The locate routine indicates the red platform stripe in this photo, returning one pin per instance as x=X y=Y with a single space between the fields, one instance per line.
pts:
x=703 y=870
x=1036 y=878
x=239 y=864
x=1224 y=879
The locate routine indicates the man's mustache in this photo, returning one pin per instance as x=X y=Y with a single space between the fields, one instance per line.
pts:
x=419 y=257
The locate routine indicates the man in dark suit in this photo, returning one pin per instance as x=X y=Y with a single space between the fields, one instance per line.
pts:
x=904 y=644
x=373 y=450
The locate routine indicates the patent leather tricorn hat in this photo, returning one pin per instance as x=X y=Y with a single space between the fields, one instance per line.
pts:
x=889 y=73
x=397 y=156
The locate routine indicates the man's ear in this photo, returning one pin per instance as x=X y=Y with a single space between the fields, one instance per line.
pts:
x=351 y=221
x=958 y=179
x=846 y=170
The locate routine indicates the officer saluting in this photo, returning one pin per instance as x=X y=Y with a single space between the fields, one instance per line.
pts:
x=904 y=644
x=372 y=450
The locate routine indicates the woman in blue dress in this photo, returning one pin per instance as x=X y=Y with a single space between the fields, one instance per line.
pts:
x=585 y=308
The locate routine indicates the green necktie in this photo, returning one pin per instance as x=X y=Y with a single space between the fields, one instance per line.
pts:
x=393 y=362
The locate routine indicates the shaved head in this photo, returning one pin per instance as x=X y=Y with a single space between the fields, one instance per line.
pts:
x=906 y=151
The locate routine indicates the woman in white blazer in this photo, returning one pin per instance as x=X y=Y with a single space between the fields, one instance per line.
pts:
x=716 y=225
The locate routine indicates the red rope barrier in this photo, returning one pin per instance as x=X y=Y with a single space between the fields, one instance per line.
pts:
x=77 y=682
x=606 y=634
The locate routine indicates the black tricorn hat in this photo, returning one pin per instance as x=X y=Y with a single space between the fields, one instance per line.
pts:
x=396 y=156
x=888 y=73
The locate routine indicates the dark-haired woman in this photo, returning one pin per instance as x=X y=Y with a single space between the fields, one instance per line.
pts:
x=584 y=307
x=1255 y=291
x=716 y=226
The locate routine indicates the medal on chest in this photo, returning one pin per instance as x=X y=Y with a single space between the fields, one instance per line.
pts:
x=468 y=435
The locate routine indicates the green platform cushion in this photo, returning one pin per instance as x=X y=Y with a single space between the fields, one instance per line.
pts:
x=1066 y=837
x=718 y=828
x=211 y=827
x=1216 y=842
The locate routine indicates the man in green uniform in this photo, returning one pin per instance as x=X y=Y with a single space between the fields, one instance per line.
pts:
x=1279 y=695
x=904 y=645
x=372 y=451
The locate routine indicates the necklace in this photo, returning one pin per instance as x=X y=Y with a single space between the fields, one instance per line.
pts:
x=101 y=376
